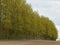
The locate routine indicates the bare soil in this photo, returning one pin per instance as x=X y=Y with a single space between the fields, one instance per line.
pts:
x=30 y=42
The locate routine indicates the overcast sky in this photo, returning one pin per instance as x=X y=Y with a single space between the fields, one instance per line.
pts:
x=48 y=8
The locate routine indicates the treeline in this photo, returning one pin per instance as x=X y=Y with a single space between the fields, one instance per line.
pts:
x=18 y=21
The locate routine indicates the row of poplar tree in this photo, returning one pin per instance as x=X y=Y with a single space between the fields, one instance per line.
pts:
x=19 y=21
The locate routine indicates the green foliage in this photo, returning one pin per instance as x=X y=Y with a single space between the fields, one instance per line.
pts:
x=19 y=21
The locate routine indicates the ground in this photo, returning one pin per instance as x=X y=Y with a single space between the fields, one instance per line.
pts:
x=30 y=42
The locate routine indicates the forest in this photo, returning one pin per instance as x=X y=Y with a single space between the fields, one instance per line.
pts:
x=18 y=21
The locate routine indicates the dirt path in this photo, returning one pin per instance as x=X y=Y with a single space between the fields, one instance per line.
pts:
x=31 y=42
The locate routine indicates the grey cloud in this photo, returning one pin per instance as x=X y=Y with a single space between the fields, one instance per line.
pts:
x=49 y=8
x=49 y=0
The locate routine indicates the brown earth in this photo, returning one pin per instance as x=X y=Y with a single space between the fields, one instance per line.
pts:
x=30 y=42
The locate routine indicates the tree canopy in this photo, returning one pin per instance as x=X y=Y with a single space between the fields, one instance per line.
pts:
x=19 y=21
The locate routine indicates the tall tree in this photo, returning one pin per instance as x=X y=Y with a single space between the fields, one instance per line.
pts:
x=19 y=21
